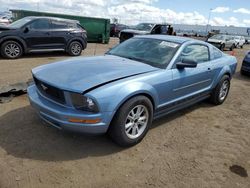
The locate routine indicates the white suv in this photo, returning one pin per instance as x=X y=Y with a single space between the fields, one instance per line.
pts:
x=239 y=41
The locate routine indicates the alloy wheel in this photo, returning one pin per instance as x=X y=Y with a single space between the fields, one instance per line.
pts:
x=12 y=50
x=76 y=49
x=224 y=90
x=136 y=121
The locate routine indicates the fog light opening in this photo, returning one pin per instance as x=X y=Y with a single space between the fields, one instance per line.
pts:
x=84 y=121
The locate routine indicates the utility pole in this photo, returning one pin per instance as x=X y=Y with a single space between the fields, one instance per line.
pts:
x=209 y=17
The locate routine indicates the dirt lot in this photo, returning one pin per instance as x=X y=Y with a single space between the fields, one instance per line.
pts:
x=192 y=148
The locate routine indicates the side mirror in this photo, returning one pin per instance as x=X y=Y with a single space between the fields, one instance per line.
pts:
x=26 y=30
x=186 y=63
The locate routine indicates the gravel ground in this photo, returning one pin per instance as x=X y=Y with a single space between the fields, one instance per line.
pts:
x=197 y=147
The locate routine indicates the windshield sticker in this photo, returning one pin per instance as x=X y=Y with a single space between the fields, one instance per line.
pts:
x=168 y=44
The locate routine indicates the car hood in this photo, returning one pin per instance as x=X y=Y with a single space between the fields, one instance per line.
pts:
x=134 y=31
x=81 y=74
x=214 y=40
x=5 y=28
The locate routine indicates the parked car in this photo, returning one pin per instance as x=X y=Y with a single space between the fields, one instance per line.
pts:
x=39 y=34
x=239 y=41
x=145 y=29
x=222 y=41
x=4 y=21
x=247 y=40
x=115 y=29
x=245 y=68
x=141 y=79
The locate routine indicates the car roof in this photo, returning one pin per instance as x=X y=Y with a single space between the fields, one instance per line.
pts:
x=54 y=18
x=169 y=38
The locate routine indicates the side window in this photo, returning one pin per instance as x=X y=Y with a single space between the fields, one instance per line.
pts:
x=195 y=52
x=40 y=24
x=217 y=53
x=164 y=29
x=156 y=30
x=58 y=24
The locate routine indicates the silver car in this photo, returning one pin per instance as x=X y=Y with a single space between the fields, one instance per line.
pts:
x=222 y=41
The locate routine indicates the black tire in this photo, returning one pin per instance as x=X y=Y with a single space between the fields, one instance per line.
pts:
x=75 y=48
x=11 y=50
x=222 y=47
x=242 y=47
x=232 y=47
x=117 y=130
x=215 y=95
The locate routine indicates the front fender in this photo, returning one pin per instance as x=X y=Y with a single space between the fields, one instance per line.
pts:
x=16 y=39
x=134 y=89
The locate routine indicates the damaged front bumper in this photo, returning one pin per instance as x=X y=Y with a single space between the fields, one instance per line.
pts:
x=60 y=116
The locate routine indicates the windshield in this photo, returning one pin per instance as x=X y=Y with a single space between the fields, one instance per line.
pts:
x=218 y=37
x=154 y=52
x=20 y=23
x=144 y=27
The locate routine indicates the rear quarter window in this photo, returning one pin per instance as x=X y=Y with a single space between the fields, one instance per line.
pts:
x=216 y=53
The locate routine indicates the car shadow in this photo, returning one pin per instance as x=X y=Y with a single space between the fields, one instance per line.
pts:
x=172 y=116
x=24 y=135
x=241 y=77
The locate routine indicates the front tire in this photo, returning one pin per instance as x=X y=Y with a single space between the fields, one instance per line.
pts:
x=232 y=47
x=222 y=47
x=221 y=91
x=11 y=50
x=132 y=121
x=75 y=48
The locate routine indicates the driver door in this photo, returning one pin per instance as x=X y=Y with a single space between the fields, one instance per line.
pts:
x=38 y=35
x=191 y=81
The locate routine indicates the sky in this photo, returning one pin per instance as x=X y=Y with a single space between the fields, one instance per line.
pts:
x=222 y=12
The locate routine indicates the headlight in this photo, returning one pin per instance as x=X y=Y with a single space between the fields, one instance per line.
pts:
x=81 y=102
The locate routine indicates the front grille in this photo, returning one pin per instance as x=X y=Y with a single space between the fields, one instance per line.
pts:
x=49 y=91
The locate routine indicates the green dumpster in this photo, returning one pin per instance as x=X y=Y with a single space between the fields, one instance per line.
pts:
x=98 y=28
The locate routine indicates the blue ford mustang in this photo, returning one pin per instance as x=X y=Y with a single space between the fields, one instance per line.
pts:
x=137 y=81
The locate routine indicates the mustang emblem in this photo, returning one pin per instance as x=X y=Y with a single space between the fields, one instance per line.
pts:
x=45 y=88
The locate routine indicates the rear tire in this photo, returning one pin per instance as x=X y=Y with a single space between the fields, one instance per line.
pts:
x=75 y=48
x=132 y=121
x=11 y=50
x=221 y=91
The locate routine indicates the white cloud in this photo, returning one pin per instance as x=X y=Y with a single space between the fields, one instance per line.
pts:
x=127 y=11
x=232 y=21
x=221 y=9
x=247 y=22
x=242 y=10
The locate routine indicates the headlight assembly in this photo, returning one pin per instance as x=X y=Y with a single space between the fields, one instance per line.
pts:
x=84 y=103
